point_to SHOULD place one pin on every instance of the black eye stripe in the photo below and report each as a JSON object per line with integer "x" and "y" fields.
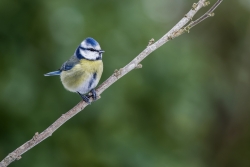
{"x": 90, "y": 49}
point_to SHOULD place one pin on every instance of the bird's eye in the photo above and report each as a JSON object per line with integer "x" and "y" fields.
{"x": 91, "y": 49}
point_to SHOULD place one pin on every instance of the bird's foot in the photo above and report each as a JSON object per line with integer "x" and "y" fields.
{"x": 84, "y": 98}
{"x": 93, "y": 94}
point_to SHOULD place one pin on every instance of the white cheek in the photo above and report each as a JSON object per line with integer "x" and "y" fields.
{"x": 83, "y": 52}
{"x": 88, "y": 54}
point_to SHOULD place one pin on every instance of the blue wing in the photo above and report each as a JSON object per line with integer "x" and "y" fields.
{"x": 68, "y": 65}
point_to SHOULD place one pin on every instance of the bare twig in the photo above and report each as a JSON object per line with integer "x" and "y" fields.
{"x": 134, "y": 64}
{"x": 209, "y": 13}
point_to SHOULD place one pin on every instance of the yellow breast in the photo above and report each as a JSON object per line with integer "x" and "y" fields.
{"x": 81, "y": 74}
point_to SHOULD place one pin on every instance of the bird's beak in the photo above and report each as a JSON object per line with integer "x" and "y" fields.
{"x": 101, "y": 51}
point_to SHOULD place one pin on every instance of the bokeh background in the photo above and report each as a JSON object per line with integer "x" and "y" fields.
{"x": 187, "y": 107}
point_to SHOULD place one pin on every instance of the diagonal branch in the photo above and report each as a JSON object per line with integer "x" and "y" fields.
{"x": 177, "y": 30}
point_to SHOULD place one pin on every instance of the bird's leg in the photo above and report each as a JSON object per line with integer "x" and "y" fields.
{"x": 84, "y": 98}
{"x": 93, "y": 92}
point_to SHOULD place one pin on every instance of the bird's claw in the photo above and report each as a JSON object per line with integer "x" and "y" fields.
{"x": 84, "y": 98}
{"x": 93, "y": 94}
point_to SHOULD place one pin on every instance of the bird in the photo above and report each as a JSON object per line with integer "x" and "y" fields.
{"x": 82, "y": 72}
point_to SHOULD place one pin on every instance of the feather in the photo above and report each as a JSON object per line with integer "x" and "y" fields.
{"x": 53, "y": 73}
{"x": 68, "y": 65}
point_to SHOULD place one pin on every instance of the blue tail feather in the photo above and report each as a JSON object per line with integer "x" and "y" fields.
{"x": 53, "y": 73}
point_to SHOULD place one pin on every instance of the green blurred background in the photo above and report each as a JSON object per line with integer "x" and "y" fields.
{"x": 187, "y": 107}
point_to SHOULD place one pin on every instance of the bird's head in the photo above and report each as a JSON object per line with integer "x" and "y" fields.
{"x": 89, "y": 49}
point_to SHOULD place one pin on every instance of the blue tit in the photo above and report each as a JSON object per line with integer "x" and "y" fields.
{"x": 82, "y": 72}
